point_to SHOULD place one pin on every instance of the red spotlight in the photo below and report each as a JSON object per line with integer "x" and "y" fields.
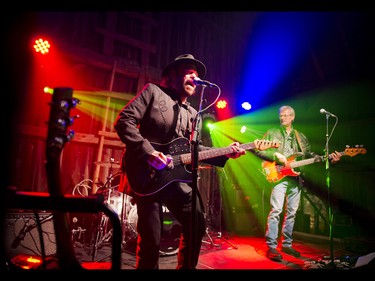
{"x": 221, "y": 104}
{"x": 42, "y": 46}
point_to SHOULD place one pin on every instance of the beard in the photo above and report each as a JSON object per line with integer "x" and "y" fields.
{"x": 187, "y": 90}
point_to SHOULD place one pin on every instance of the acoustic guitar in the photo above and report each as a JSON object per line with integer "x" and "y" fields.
{"x": 57, "y": 137}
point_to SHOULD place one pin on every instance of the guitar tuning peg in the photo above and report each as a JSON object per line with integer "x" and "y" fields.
{"x": 71, "y": 119}
{"x": 70, "y": 135}
{"x": 64, "y": 104}
{"x": 74, "y": 102}
{"x": 61, "y": 122}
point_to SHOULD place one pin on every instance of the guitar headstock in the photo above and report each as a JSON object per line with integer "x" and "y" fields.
{"x": 60, "y": 120}
{"x": 353, "y": 151}
{"x": 266, "y": 144}
{"x": 57, "y": 136}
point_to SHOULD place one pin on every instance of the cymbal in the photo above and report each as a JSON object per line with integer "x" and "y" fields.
{"x": 114, "y": 164}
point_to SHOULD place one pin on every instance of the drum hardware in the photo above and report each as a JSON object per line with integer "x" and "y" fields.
{"x": 125, "y": 207}
{"x": 111, "y": 164}
{"x": 120, "y": 202}
{"x": 103, "y": 234}
{"x": 78, "y": 233}
{"x": 103, "y": 229}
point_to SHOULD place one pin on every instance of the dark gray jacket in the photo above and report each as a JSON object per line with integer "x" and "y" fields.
{"x": 279, "y": 135}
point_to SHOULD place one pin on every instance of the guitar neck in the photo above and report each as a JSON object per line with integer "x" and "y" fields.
{"x": 215, "y": 152}
{"x": 309, "y": 161}
{"x": 305, "y": 162}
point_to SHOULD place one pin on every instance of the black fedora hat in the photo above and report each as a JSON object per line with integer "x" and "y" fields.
{"x": 189, "y": 59}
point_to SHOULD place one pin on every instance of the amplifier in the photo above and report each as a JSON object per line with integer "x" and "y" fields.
{"x": 246, "y": 222}
{"x": 22, "y": 235}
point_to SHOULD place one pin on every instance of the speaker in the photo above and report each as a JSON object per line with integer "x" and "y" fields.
{"x": 21, "y": 234}
{"x": 246, "y": 222}
{"x": 241, "y": 199}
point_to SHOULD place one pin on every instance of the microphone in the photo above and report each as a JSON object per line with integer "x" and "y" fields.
{"x": 323, "y": 111}
{"x": 198, "y": 81}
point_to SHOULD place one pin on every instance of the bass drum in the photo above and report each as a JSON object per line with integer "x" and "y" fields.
{"x": 171, "y": 231}
{"x": 120, "y": 202}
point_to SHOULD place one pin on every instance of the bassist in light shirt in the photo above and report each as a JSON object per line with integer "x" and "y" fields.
{"x": 286, "y": 188}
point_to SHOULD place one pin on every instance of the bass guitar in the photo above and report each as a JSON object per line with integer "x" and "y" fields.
{"x": 144, "y": 180}
{"x": 274, "y": 172}
{"x": 57, "y": 136}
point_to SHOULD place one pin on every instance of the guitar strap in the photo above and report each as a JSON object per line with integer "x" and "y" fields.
{"x": 300, "y": 179}
{"x": 299, "y": 140}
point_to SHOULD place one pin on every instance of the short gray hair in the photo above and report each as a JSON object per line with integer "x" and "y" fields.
{"x": 287, "y": 107}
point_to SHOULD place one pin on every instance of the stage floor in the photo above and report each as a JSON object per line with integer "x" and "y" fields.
{"x": 234, "y": 252}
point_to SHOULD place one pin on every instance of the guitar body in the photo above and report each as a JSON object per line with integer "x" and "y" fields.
{"x": 144, "y": 180}
{"x": 275, "y": 173}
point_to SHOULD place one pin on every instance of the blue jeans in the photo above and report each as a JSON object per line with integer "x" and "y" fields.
{"x": 288, "y": 191}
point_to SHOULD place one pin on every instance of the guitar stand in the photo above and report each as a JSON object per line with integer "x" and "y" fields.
{"x": 219, "y": 233}
{"x": 209, "y": 208}
{"x": 219, "y": 236}
{"x": 210, "y": 238}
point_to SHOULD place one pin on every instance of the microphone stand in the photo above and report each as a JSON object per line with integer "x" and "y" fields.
{"x": 194, "y": 141}
{"x": 328, "y": 181}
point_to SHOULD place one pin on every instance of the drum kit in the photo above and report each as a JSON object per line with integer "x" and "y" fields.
{"x": 126, "y": 208}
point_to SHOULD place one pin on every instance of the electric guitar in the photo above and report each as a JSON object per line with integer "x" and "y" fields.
{"x": 57, "y": 136}
{"x": 274, "y": 172}
{"x": 144, "y": 180}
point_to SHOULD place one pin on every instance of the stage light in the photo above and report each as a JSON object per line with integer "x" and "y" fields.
{"x": 208, "y": 122}
{"x": 210, "y": 126}
{"x": 246, "y": 105}
{"x": 33, "y": 262}
{"x": 48, "y": 90}
{"x": 42, "y": 46}
{"x": 221, "y": 104}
